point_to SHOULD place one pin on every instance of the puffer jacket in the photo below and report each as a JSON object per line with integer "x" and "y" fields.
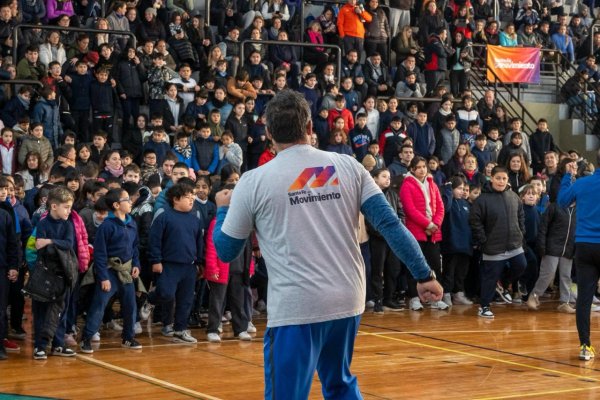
{"x": 556, "y": 232}
{"x": 47, "y": 112}
{"x": 378, "y": 30}
{"x": 214, "y": 266}
{"x": 129, "y": 78}
{"x": 497, "y": 221}
{"x": 413, "y": 202}
{"x": 394, "y": 201}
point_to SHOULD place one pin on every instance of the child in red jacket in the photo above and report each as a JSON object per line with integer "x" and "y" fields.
{"x": 227, "y": 281}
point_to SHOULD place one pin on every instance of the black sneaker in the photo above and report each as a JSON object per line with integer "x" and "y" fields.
{"x": 131, "y": 344}
{"x": 504, "y": 294}
{"x": 391, "y": 305}
{"x": 378, "y": 307}
{"x": 3, "y": 355}
{"x": 39, "y": 354}
{"x": 63, "y": 352}
{"x": 86, "y": 346}
{"x": 194, "y": 320}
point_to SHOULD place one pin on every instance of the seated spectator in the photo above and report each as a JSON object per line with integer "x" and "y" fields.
{"x": 527, "y": 15}
{"x": 577, "y": 31}
{"x": 257, "y": 23}
{"x": 409, "y": 87}
{"x": 182, "y": 49}
{"x": 576, "y": 94}
{"x": 200, "y": 36}
{"x": 405, "y": 45}
{"x": 275, "y": 8}
{"x": 55, "y": 9}
{"x": 30, "y": 67}
{"x": 283, "y": 55}
{"x": 329, "y": 26}
{"x": 590, "y": 65}
{"x": 326, "y": 77}
{"x": 224, "y": 14}
{"x": 564, "y": 44}
{"x": 150, "y": 28}
{"x": 508, "y": 37}
{"x": 52, "y": 50}
{"x": 231, "y": 49}
{"x": 377, "y": 76}
{"x": 262, "y": 49}
{"x": 315, "y": 55}
{"x": 482, "y": 10}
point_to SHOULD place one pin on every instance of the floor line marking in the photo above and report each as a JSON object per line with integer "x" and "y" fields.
{"x": 466, "y": 353}
{"x": 146, "y": 378}
{"x": 521, "y": 395}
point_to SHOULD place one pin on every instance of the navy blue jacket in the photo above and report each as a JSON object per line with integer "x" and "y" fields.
{"x": 12, "y": 111}
{"x": 80, "y": 92}
{"x": 61, "y": 232}
{"x": 532, "y": 223}
{"x": 360, "y": 139}
{"x": 103, "y": 97}
{"x": 9, "y": 247}
{"x": 188, "y": 230}
{"x": 312, "y": 97}
{"x": 115, "y": 238}
{"x": 483, "y": 157}
{"x": 456, "y": 230}
{"x": 321, "y": 128}
{"x": 207, "y": 154}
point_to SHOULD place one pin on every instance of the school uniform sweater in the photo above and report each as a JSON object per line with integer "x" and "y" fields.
{"x": 115, "y": 238}
{"x": 170, "y": 224}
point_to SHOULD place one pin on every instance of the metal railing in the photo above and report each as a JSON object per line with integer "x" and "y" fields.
{"x": 30, "y": 82}
{"x": 300, "y": 44}
{"x": 19, "y": 27}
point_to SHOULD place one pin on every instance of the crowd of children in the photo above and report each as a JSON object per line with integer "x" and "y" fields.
{"x": 132, "y": 201}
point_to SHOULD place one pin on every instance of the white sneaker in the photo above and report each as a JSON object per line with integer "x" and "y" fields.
{"x": 96, "y": 337}
{"x": 439, "y": 305}
{"x": 227, "y": 315}
{"x": 137, "y": 328}
{"x": 251, "y": 328}
{"x": 415, "y": 304}
{"x": 220, "y": 328}
{"x": 184, "y": 337}
{"x": 447, "y": 299}
{"x": 370, "y": 304}
{"x": 213, "y": 338}
{"x": 245, "y": 336}
{"x": 595, "y": 308}
{"x": 461, "y": 299}
{"x": 114, "y": 325}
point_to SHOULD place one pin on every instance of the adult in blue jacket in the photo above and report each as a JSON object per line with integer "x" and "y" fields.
{"x": 584, "y": 192}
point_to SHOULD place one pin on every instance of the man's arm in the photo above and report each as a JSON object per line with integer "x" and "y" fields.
{"x": 566, "y": 194}
{"x": 228, "y": 248}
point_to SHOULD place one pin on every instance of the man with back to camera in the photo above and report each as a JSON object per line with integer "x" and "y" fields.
{"x": 307, "y": 197}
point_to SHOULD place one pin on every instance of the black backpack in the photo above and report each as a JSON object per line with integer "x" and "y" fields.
{"x": 44, "y": 284}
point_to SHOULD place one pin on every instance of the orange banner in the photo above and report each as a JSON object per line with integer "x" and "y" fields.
{"x": 513, "y": 64}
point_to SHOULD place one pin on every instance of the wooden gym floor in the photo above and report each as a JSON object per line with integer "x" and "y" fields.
{"x": 405, "y": 355}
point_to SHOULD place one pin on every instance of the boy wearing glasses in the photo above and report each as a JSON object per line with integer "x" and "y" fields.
{"x": 175, "y": 261}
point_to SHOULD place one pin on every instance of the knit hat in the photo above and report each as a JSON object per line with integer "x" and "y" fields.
{"x": 92, "y": 56}
{"x": 369, "y": 161}
{"x": 151, "y": 10}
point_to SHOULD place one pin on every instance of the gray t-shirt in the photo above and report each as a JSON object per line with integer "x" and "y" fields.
{"x": 305, "y": 205}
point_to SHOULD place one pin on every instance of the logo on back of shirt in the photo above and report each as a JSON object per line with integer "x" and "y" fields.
{"x": 301, "y": 190}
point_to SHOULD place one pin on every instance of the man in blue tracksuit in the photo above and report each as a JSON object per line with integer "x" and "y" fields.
{"x": 176, "y": 244}
{"x": 584, "y": 192}
{"x": 310, "y": 196}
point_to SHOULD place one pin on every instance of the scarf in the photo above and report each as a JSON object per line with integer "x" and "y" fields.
{"x": 425, "y": 189}
{"x": 24, "y": 102}
{"x": 444, "y": 112}
{"x": 186, "y": 151}
{"x": 35, "y": 174}
{"x": 114, "y": 172}
{"x": 218, "y": 103}
{"x": 316, "y": 37}
{"x": 148, "y": 171}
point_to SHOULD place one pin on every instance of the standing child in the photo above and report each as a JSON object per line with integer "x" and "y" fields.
{"x": 226, "y": 281}
{"x": 556, "y": 246}
{"x": 373, "y": 150}
{"x": 160, "y": 147}
{"x": 229, "y": 152}
{"x": 99, "y": 146}
{"x": 116, "y": 263}
{"x": 360, "y": 137}
{"x": 540, "y": 142}
{"x": 38, "y": 143}
{"x": 385, "y": 266}
{"x": 176, "y": 261}
{"x": 207, "y": 151}
{"x": 184, "y": 151}
{"x": 104, "y": 100}
{"x": 49, "y": 318}
{"x": 8, "y": 156}
{"x": 457, "y": 249}
{"x": 530, "y": 198}
{"x": 338, "y": 141}
{"x": 481, "y": 151}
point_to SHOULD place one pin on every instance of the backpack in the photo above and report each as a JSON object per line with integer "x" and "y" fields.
{"x": 44, "y": 284}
